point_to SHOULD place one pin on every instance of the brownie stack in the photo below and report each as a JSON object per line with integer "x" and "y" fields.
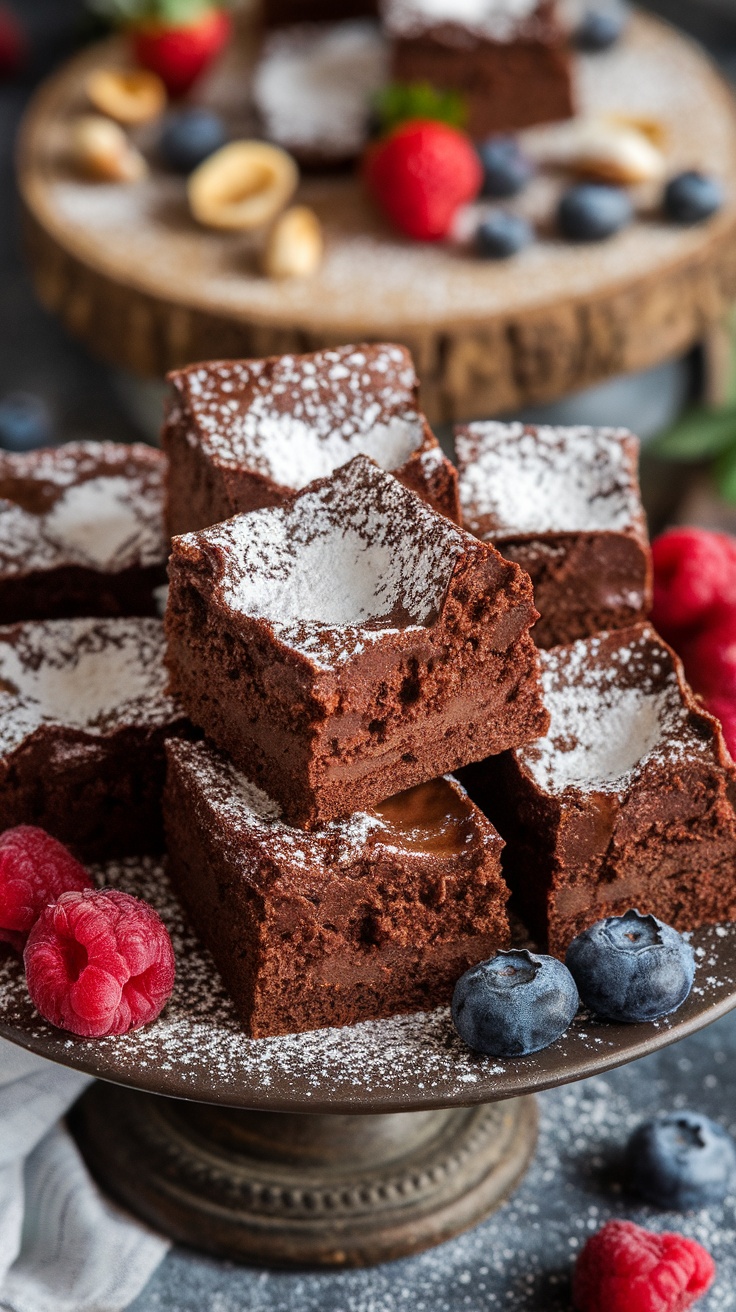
{"x": 84, "y": 710}
{"x": 339, "y": 646}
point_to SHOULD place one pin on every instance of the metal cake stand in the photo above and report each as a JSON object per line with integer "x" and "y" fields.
{"x": 333, "y": 1148}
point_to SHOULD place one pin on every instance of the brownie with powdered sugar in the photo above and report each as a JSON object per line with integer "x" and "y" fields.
{"x": 508, "y": 60}
{"x": 351, "y": 643}
{"x": 627, "y": 801}
{"x": 365, "y": 917}
{"x": 84, "y": 714}
{"x": 244, "y": 434}
{"x": 81, "y": 531}
{"x": 564, "y": 503}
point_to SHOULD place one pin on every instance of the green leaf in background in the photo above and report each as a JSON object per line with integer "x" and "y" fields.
{"x": 725, "y": 475}
{"x": 699, "y": 435}
{"x": 170, "y": 12}
{"x": 402, "y": 101}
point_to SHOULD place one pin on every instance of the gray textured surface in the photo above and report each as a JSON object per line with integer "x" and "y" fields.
{"x": 521, "y": 1257}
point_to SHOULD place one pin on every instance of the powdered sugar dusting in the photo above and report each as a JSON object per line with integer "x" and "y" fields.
{"x": 497, "y": 19}
{"x": 297, "y": 418}
{"x": 198, "y": 1048}
{"x": 94, "y": 504}
{"x": 314, "y": 83}
{"x": 517, "y": 479}
{"x": 94, "y": 675}
{"x": 341, "y": 565}
{"x": 612, "y": 711}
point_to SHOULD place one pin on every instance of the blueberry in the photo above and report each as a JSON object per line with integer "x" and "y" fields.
{"x": 631, "y": 967}
{"x": 681, "y": 1161}
{"x": 501, "y": 235}
{"x": 692, "y": 197}
{"x": 514, "y": 1004}
{"x": 189, "y": 137}
{"x": 601, "y": 28}
{"x": 506, "y": 170}
{"x": 25, "y": 422}
{"x": 592, "y": 211}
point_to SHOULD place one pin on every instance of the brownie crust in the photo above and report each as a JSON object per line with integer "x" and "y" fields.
{"x": 357, "y": 921}
{"x": 375, "y": 710}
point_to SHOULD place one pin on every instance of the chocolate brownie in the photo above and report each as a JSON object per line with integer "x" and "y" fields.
{"x": 243, "y": 434}
{"x": 565, "y": 504}
{"x": 351, "y": 643}
{"x": 314, "y": 85}
{"x": 627, "y": 802}
{"x": 84, "y": 714}
{"x": 81, "y": 531}
{"x": 369, "y": 916}
{"x": 508, "y": 59}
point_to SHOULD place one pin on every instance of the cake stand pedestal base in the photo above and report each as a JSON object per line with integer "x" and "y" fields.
{"x": 284, "y": 1189}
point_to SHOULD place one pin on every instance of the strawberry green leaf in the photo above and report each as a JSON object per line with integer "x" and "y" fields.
{"x": 401, "y": 102}
{"x": 172, "y": 13}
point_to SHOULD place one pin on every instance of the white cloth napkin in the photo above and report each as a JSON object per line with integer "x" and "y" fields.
{"x": 63, "y": 1247}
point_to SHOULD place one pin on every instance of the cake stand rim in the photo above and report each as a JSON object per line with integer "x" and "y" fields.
{"x": 530, "y": 1075}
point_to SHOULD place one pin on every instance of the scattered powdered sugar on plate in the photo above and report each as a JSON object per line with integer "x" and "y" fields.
{"x": 198, "y": 1049}
{"x": 517, "y": 479}
{"x": 98, "y": 505}
{"x": 314, "y": 82}
{"x": 345, "y": 563}
{"x": 613, "y": 708}
{"x": 90, "y": 674}
{"x": 297, "y": 418}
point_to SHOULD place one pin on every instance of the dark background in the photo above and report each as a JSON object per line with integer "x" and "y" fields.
{"x": 521, "y": 1257}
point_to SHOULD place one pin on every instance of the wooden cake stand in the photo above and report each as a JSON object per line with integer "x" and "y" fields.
{"x": 333, "y": 1148}
{"x": 132, "y": 275}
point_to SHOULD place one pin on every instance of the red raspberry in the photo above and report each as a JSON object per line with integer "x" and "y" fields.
{"x": 694, "y": 573}
{"x": 710, "y": 656}
{"x": 99, "y": 963}
{"x": 35, "y": 869}
{"x": 624, "y": 1268}
{"x": 421, "y": 174}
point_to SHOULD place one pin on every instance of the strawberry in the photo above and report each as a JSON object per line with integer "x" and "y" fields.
{"x": 180, "y": 54}
{"x": 420, "y": 175}
{"x": 177, "y": 39}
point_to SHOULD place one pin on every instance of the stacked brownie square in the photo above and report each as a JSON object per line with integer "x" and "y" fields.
{"x": 628, "y": 800}
{"x": 84, "y": 710}
{"x": 338, "y": 647}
